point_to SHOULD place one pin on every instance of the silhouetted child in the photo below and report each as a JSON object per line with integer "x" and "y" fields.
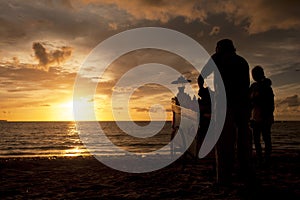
{"x": 262, "y": 108}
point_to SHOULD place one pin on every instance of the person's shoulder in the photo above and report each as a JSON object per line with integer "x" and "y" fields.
{"x": 214, "y": 56}
{"x": 241, "y": 58}
{"x": 242, "y": 62}
{"x": 253, "y": 85}
{"x": 268, "y": 82}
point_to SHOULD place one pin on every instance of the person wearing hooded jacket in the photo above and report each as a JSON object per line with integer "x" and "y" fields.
{"x": 262, "y": 108}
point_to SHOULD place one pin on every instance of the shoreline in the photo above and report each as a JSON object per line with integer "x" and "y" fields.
{"x": 87, "y": 178}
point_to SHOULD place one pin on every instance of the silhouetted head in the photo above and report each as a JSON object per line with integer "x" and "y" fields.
{"x": 225, "y": 45}
{"x": 200, "y": 81}
{"x": 258, "y": 73}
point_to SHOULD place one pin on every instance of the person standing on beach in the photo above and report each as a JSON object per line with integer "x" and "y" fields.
{"x": 205, "y": 111}
{"x": 262, "y": 108}
{"x": 234, "y": 71}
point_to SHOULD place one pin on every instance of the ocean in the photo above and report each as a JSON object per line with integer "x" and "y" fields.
{"x": 49, "y": 139}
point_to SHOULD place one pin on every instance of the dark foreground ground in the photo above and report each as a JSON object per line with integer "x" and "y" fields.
{"x": 87, "y": 178}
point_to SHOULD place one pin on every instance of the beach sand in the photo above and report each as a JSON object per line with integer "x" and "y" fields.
{"x": 87, "y": 178}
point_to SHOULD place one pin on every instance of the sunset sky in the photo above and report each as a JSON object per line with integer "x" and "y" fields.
{"x": 44, "y": 43}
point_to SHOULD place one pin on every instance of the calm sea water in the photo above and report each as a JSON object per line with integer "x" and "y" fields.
{"x": 45, "y": 139}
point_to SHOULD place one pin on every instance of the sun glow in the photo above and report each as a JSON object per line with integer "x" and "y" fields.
{"x": 64, "y": 111}
{"x": 89, "y": 110}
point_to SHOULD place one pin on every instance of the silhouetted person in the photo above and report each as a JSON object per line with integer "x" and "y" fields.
{"x": 205, "y": 111}
{"x": 183, "y": 98}
{"x": 262, "y": 108}
{"x": 234, "y": 71}
{"x": 183, "y": 102}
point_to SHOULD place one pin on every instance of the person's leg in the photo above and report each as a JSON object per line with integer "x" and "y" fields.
{"x": 202, "y": 131}
{"x": 266, "y": 133}
{"x": 225, "y": 151}
{"x": 244, "y": 149}
{"x": 256, "y": 136}
{"x": 244, "y": 145}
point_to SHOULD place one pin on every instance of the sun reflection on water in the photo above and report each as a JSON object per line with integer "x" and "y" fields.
{"x": 77, "y": 151}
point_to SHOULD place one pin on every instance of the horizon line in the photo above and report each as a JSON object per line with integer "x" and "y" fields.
{"x": 289, "y": 120}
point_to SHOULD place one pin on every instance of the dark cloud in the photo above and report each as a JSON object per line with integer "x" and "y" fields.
{"x": 10, "y": 31}
{"x": 153, "y": 109}
{"x": 47, "y": 58}
{"x": 292, "y": 101}
{"x": 40, "y": 53}
{"x": 84, "y": 25}
{"x": 260, "y": 15}
{"x": 161, "y": 10}
{"x": 45, "y": 105}
{"x": 62, "y": 3}
{"x": 139, "y": 109}
{"x": 255, "y": 15}
{"x": 288, "y": 108}
{"x": 23, "y": 22}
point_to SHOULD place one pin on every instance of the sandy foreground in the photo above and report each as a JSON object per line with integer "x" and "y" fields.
{"x": 87, "y": 178}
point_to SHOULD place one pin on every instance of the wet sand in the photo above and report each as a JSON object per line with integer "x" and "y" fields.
{"x": 87, "y": 178}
